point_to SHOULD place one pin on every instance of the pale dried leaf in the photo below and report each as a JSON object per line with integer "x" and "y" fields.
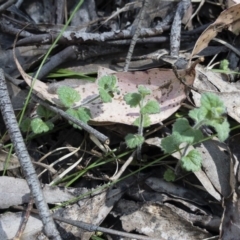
{"x": 10, "y": 223}
{"x": 90, "y": 210}
{"x": 160, "y": 221}
{"x": 231, "y": 3}
{"x": 166, "y": 89}
{"x": 229, "y": 93}
{"x": 15, "y": 191}
{"x": 230, "y": 224}
{"x": 160, "y": 185}
{"x": 12, "y": 163}
{"x": 201, "y": 175}
{"x": 216, "y": 164}
{"x": 227, "y": 19}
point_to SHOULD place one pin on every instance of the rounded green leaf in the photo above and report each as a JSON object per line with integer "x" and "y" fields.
{"x": 68, "y": 96}
{"x": 73, "y": 113}
{"x": 134, "y": 140}
{"x": 151, "y": 107}
{"x": 146, "y": 121}
{"x": 44, "y": 112}
{"x": 107, "y": 82}
{"x": 192, "y": 161}
{"x": 185, "y": 132}
{"x": 170, "y": 144}
{"x": 26, "y": 125}
{"x": 84, "y": 114}
{"x": 38, "y": 126}
{"x": 143, "y": 90}
{"x": 105, "y": 96}
{"x": 132, "y": 99}
{"x": 169, "y": 175}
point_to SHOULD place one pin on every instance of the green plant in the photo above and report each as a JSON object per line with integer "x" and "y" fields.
{"x": 169, "y": 175}
{"x": 68, "y": 98}
{"x": 211, "y": 113}
{"x": 224, "y": 68}
{"x": 39, "y": 124}
{"x": 107, "y": 86}
{"x": 146, "y": 107}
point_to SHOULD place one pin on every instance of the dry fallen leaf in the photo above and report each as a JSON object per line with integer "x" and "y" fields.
{"x": 201, "y": 175}
{"x": 210, "y": 81}
{"x": 15, "y": 191}
{"x": 166, "y": 89}
{"x": 156, "y": 220}
{"x": 228, "y": 19}
{"x": 10, "y": 223}
{"x": 11, "y": 164}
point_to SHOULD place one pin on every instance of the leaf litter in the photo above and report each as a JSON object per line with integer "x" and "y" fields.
{"x": 163, "y": 83}
{"x": 217, "y": 178}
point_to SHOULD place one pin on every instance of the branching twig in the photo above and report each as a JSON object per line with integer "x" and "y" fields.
{"x": 6, "y": 5}
{"x": 25, "y": 220}
{"x": 176, "y": 27}
{"x": 74, "y": 37}
{"x": 136, "y": 34}
{"x": 94, "y": 228}
{"x": 25, "y": 161}
{"x": 83, "y": 125}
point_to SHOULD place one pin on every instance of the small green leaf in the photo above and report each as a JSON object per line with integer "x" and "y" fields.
{"x": 44, "y": 112}
{"x": 185, "y": 132}
{"x": 224, "y": 65}
{"x": 107, "y": 82}
{"x": 212, "y": 113}
{"x": 222, "y": 129}
{"x": 132, "y": 99}
{"x": 169, "y": 175}
{"x": 50, "y": 125}
{"x": 198, "y": 114}
{"x": 213, "y": 104}
{"x": 151, "y": 107}
{"x": 105, "y": 95}
{"x": 107, "y": 85}
{"x": 143, "y": 90}
{"x": 212, "y": 107}
{"x": 68, "y": 96}
{"x": 38, "y": 126}
{"x": 84, "y": 114}
{"x": 134, "y": 140}
{"x": 146, "y": 121}
{"x": 170, "y": 144}
{"x": 192, "y": 161}
{"x": 26, "y": 125}
{"x": 73, "y": 113}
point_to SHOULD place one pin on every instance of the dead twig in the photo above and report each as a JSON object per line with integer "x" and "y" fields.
{"x": 104, "y": 139}
{"x": 25, "y": 161}
{"x": 176, "y": 27}
{"x": 25, "y": 220}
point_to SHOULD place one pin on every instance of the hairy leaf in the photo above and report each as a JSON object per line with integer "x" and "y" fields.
{"x": 68, "y": 96}
{"x": 38, "y": 126}
{"x": 132, "y": 99}
{"x": 192, "y": 161}
{"x": 134, "y": 140}
{"x": 151, "y": 107}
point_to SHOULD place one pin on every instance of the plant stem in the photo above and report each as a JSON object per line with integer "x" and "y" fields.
{"x": 140, "y": 130}
{"x": 198, "y": 125}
